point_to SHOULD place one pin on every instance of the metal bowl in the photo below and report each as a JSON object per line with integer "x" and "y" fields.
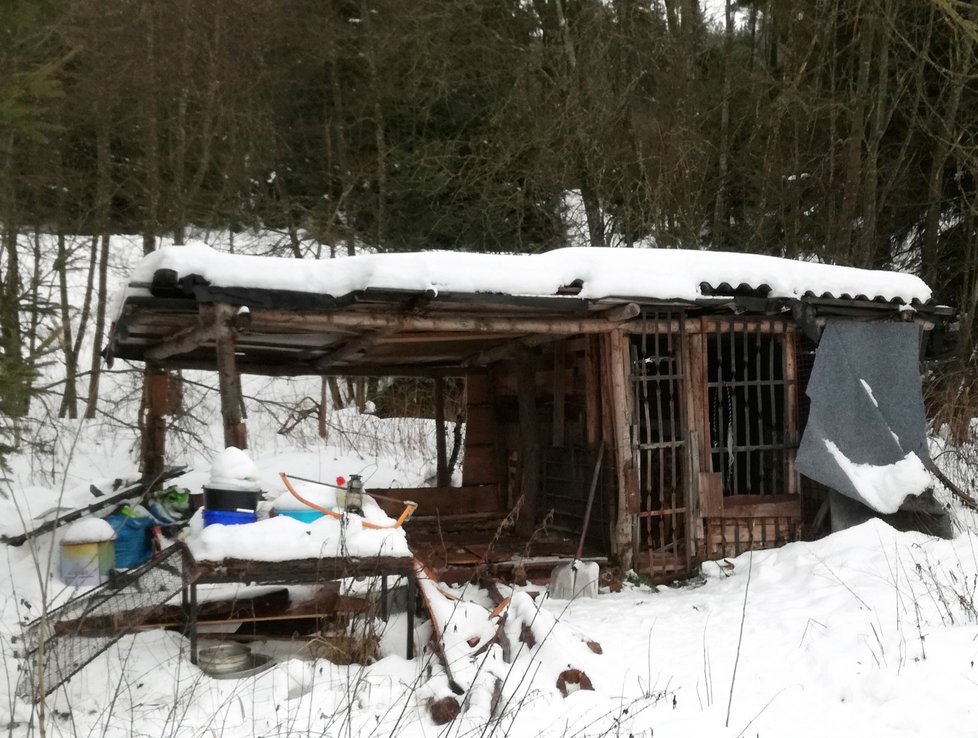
{"x": 225, "y": 658}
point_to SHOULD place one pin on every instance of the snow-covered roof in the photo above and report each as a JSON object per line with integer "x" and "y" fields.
{"x": 664, "y": 274}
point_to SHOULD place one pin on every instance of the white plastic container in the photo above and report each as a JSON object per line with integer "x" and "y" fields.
{"x": 87, "y": 553}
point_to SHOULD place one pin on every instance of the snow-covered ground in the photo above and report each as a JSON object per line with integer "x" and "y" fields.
{"x": 867, "y": 632}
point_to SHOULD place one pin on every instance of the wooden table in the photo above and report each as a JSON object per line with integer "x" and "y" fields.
{"x": 298, "y": 571}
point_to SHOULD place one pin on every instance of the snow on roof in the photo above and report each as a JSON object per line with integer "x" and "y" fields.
{"x": 678, "y": 274}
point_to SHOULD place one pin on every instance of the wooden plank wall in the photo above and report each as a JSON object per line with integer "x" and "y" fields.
{"x": 442, "y": 502}
{"x": 568, "y": 410}
{"x": 734, "y": 536}
{"x": 480, "y": 464}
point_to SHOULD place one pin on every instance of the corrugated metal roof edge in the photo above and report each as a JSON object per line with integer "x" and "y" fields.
{"x": 166, "y": 283}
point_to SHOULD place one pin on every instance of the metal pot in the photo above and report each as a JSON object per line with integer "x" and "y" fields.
{"x": 233, "y": 500}
{"x": 224, "y": 658}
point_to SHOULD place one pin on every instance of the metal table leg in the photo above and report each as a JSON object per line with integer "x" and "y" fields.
{"x": 193, "y": 623}
{"x": 412, "y": 604}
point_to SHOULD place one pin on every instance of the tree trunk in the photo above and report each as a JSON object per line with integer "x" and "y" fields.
{"x": 69, "y": 400}
{"x": 35, "y": 297}
{"x": 103, "y": 204}
{"x": 592, "y": 208}
{"x": 334, "y": 392}
{"x": 86, "y": 306}
{"x": 968, "y": 301}
{"x": 149, "y": 112}
{"x": 723, "y": 164}
{"x": 380, "y": 138}
{"x": 16, "y": 393}
{"x": 323, "y": 403}
{"x": 869, "y": 238}
{"x": 97, "y": 340}
{"x": 943, "y": 136}
{"x": 180, "y": 134}
{"x": 854, "y": 141}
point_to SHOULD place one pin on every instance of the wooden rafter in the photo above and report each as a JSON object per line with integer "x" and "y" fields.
{"x": 306, "y": 368}
{"x": 507, "y": 350}
{"x": 213, "y": 321}
{"x": 183, "y": 342}
{"x": 348, "y": 349}
{"x": 263, "y": 319}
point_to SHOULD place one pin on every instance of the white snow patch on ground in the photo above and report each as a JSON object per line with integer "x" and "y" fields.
{"x": 867, "y": 632}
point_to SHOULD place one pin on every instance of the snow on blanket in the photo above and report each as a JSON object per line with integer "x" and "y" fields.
{"x": 604, "y": 272}
{"x": 884, "y": 487}
{"x": 285, "y": 539}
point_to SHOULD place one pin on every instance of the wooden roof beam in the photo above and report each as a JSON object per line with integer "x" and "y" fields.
{"x": 507, "y": 350}
{"x": 348, "y": 349}
{"x": 604, "y": 322}
{"x": 303, "y": 369}
{"x": 209, "y": 325}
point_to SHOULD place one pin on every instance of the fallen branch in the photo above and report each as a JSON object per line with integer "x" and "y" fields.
{"x": 966, "y": 499}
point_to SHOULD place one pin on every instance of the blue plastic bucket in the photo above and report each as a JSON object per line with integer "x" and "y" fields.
{"x": 303, "y": 516}
{"x": 226, "y": 517}
{"x": 133, "y": 544}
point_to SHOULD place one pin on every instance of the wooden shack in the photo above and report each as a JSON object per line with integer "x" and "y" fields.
{"x": 689, "y": 367}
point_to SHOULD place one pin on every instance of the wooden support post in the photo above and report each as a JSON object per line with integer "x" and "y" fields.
{"x": 621, "y": 414}
{"x": 696, "y": 397}
{"x": 323, "y": 404}
{"x": 606, "y": 431}
{"x": 791, "y": 411}
{"x": 560, "y": 392}
{"x": 529, "y": 444}
{"x": 442, "y": 475}
{"x": 698, "y": 438}
{"x": 156, "y": 383}
{"x": 592, "y": 391}
{"x": 235, "y": 433}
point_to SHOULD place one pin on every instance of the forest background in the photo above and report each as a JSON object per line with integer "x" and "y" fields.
{"x": 834, "y": 130}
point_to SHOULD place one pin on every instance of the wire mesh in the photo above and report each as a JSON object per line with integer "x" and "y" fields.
{"x": 60, "y": 643}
